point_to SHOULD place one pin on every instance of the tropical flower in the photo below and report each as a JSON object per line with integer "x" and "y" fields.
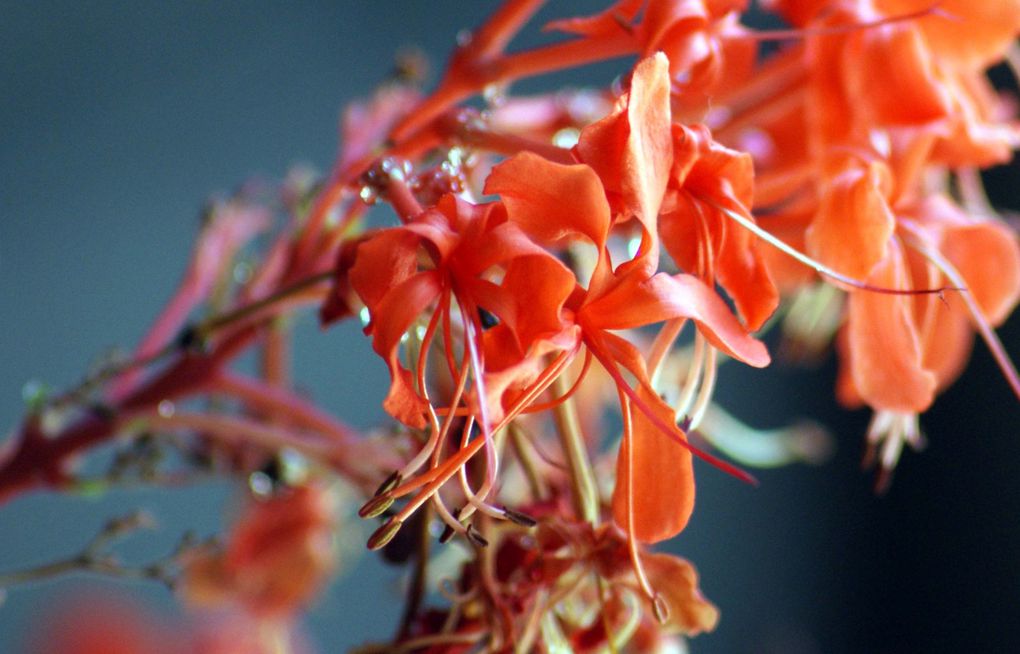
{"x": 655, "y": 488}
{"x": 277, "y": 558}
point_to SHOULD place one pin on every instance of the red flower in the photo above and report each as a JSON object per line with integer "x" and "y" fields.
{"x": 570, "y": 201}
{"x": 277, "y": 558}
{"x": 467, "y": 254}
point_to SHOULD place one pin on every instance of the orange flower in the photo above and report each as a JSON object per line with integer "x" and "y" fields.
{"x": 656, "y": 483}
{"x": 631, "y": 162}
{"x": 706, "y": 180}
{"x": 97, "y": 624}
{"x": 449, "y": 253}
{"x": 278, "y": 556}
{"x": 677, "y": 181}
{"x": 902, "y": 348}
{"x": 688, "y": 32}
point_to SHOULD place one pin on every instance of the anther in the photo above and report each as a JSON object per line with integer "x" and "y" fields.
{"x": 661, "y": 608}
{"x": 376, "y": 506}
{"x": 389, "y": 483}
{"x": 384, "y": 534}
{"x": 477, "y": 539}
{"x": 519, "y": 518}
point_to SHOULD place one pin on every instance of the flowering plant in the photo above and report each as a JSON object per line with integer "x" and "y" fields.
{"x": 528, "y": 293}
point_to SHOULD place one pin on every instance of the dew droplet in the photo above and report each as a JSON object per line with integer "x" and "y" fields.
{"x": 368, "y": 194}
{"x": 566, "y": 137}
{"x": 260, "y": 484}
{"x": 494, "y": 94}
{"x": 365, "y": 316}
{"x": 166, "y": 409}
{"x": 242, "y": 272}
{"x": 633, "y": 246}
{"x": 294, "y": 466}
{"x": 393, "y": 168}
{"x": 35, "y": 394}
{"x": 455, "y": 157}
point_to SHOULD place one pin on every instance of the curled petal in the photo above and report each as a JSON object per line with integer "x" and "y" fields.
{"x": 987, "y": 255}
{"x": 635, "y": 302}
{"x": 391, "y": 318}
{"x": 972, "y": 34}
{"x": 654, "y": 476}
{"x": 381, "y": 262}
{"x": 948, "y": 343}
{"x": 853, "y": 225}
{"x": 631, "y": 149}
{"x": 883, "y": 344}
{"x": 552, "y": 202}
{"x": 676, "y": 580}
{"x": 907, "y": 93}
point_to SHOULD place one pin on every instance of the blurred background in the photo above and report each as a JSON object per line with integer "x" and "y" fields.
{"x": 120, "y": 119}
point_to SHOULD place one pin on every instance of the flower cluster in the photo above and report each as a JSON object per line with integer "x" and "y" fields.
{"x": 529, "y": 296}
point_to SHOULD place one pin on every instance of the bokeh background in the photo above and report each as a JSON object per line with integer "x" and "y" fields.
{"x": 119, "y": 119}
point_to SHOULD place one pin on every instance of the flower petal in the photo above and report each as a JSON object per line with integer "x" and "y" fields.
{"x": 676, "y": 580}
{"x": 551, "y": 202}
{"x": 660, "y": 494}
{"x": 883, "y": 344}
{"x": 987, "y": 255}
{"x": 851, "y": 230}
{"x": 969, "y": 33}
{"x": 635, "y": 302}
{"x": 632, "y": 149}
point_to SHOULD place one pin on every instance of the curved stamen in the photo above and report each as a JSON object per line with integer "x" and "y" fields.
{"x": 672, "y": 431}
{"x": 694, "y": 376}
{"x": 551, "y": 404}
{"x": 632, "y": 541}
{"x": 707, "y": 389}
{"x": 661, "y": 346}
{"x": 439, "y": 434}
{"x": 821, "y": 268}
{"x": 981, "y": 323}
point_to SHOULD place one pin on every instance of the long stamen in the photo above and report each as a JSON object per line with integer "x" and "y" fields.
{"x": 440, "y": 434}
{"x": 672, "y": 431}
{"x": 449, "y": 518}
{"x": 991, "y": 339}
{"x": 632, "y": 541}
{"x": 661, "y": 346}
{"x": 972, "y": 192}
{"x": 694, "y": 376}
{"x": 448, "y": 468}
{"x": 476, "y": 499}
{"x": 545, "y": 406}
{"x": 707, "y": 389}
{"x": 819, "y": 267}
{"x": 835, "y": 30}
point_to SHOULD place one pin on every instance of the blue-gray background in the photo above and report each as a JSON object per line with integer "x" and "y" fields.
{"x": 119, "y": 119}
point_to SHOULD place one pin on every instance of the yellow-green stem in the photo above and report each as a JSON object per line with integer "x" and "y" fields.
{"x": 582, "y": 477}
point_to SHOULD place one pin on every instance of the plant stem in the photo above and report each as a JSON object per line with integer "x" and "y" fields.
{"x": 582, "y": 477}
{"x": 416, "y": 589}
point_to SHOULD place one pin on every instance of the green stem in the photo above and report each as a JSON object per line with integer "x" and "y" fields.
{"x": 582, "y": 476}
